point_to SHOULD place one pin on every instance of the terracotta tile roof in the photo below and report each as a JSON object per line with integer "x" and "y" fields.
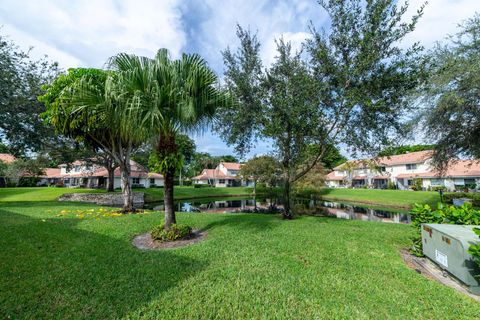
{"x": 332, "y": 177}
{"x": 137, "y": 171}
{"x": 412, "y": 157}
{"x": 52, "y": 173}
{"x": 211, "y": 174}
{"x": 359, "y": 177}
{"x": 379, "y": 177}
{"x": 232, "y": 165}
{"x": 459, "y": 168}
{"x": 7, "y": 158}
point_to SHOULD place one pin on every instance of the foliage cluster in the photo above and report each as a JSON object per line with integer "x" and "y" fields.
{"x": 21, "y": 80}
{"x": 448, "y": 197}
{"x": 396, "y": 150}
{"x": 463, "y": 215}
{"x": 263, "y": 169}
{"x": 474, "y": 249}
{"x": 174, "y": 232}
{"x": 417, "y": 184}
{"x": 452, "y": 94}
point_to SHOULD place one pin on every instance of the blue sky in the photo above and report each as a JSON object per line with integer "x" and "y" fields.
{"x": 85, "y": 33}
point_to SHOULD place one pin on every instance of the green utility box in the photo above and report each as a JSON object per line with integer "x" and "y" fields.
{"x": 447, "y": 245}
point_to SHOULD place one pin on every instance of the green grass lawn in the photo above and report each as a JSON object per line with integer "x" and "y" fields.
{"x": 250, "y": 266}
{"x": 394, "y": 198}
{"x": 156, "y": 194}
{"x": 151, "y": 195}
{"x": 38, "y": 193}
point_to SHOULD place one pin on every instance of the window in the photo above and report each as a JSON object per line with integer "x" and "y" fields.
{"x": 469, "y": 181}
{"x": 77, "y": 169}
{"x": 152, "y": 180}
{"x": 221, "y": 181}
{"x": 409, "y": 182}
{"x": 136, "y": 180}
{"x": 383, "y": 169}
{"x": 411, "y": 166}
{"x": 436, "y": 182}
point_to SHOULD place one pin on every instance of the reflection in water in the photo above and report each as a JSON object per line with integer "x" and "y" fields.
{"x": 301, "y": 206}
{"x": 346, "y": 211}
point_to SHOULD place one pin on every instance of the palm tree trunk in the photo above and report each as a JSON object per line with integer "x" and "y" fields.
{"x": 167, "y": 146}
{"x": 168, "y": 199}
{"x": 126, "y": 187}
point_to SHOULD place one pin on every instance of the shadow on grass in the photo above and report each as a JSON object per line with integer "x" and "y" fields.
{"x": 52, "y": 269}
{"x": 248, "y": 222}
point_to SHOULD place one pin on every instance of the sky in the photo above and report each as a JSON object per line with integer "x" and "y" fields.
{"x": 85, "y": 33}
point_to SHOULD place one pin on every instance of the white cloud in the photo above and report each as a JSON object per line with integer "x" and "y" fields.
{"x": 91, "y": 31}
{"x": 271, "y": 19}
{"x": 440, "y": 18}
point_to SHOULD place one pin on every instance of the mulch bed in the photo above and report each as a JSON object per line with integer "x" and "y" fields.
{"x": 145, "y": 241}
{"x": 431, "y": 271}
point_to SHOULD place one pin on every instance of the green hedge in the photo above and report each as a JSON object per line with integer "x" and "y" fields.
{"x": 200, "y": 185}
{"x": 448, "y": 197}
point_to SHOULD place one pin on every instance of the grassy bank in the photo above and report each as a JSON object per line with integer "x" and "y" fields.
{"x": 57, "y": 266}
{"x": 38, "y": 193}
{"x": 151, "y": 195}
{"x": 156, "y": 194}
{"x": 393, "y": 198}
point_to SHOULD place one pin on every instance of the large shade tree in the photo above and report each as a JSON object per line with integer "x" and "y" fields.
{"x": 353, "y": 89}
{"x": 452, "y": 96}
{"x": 21, "y": 80}
{"x": 164, "y": 98}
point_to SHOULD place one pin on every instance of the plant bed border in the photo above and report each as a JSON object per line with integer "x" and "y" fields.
{"x": 430, "y": 270}
{"x": 144, "y": 241}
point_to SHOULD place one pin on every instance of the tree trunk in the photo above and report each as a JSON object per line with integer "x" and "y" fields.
{"x": 126, "y": 187}
{"x": 111, "y": 179}
{"x": 287, "y": 213}
{"x": 168, "y": 199}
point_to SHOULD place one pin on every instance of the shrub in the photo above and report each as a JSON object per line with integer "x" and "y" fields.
{"x": 417, "y": 184}
{"x": 187, "y": 183}
{"x": 202, "y": 185}
{"x": 391, "y": 185}
{"x": 176, "y": 232}
{"x": 448, "y": 197}
{"x": 443, "y": 214}
{"x": 474, "y": 249}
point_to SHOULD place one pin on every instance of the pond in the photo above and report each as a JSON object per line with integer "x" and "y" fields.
{"x": 306, "y": 206}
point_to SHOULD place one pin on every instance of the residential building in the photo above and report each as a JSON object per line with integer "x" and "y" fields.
{"x": 226, "y": 174}
{"x": 402, "y": 170}
{"x": 83, "y": 174}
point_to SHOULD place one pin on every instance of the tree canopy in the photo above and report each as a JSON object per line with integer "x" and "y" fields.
{"x": 352, "y": 90}
{"x": 396, "y": 150}
{"x": 452, "y": 96}
{"x": 21, "y": 81}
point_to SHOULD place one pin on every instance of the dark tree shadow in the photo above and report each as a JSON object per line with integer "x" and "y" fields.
{"x": 250, "y": 222}
{"x": 52, "y": 269}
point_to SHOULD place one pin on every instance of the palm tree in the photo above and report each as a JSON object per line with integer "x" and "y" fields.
{"x": 166, "y": 97}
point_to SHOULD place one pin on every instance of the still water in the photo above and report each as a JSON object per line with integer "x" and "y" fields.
{"x": 304, "y": 206}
